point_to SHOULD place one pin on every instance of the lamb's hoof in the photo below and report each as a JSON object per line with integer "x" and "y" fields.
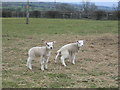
{"x": 30, "y": 68}
{"x": 73, "y": 63}
{"x": 55, "y": 62}
{"x": 46, "y": 68}
{"x": 27, "y": 65}
{"x": 42, "y": 69}
{"x": 64, "y": 65}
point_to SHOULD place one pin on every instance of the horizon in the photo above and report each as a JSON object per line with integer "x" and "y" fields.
{"x": 108, "y": 4}
{"x": 68, "y": 1}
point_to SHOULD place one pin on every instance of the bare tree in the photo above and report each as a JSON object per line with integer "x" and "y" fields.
{"x": 55, "y": 4}
{"x": 65, "y": 7}
{"x": 118, "y": 10}
{"x": 27, "y": 13}
{"x": 88, "y": 8}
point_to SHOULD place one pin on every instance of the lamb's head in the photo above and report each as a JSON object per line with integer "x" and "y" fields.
{"x": 80, "y": 43}
{"x": 50, "y": 45}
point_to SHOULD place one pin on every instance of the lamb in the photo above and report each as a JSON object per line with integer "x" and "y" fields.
{"x": 43, "y": 52}
{"x": 68, "y": 51}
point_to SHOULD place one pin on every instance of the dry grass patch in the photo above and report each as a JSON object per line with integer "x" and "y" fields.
{"x": 96, "y": 63}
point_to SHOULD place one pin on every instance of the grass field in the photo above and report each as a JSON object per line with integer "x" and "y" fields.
{"x": 96, "y": 63}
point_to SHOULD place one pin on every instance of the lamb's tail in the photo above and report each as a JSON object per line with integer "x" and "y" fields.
{"x": 58, "y": 56}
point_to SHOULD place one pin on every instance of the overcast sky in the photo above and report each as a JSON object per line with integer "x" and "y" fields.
{"x": 59, "y": 0}
{"x": 97, "y": 2}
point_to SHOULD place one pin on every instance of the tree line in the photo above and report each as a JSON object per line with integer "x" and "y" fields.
{"x": 87, "y": 10}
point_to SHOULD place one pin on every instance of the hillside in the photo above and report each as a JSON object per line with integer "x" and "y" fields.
{"x": 44, "y": 6}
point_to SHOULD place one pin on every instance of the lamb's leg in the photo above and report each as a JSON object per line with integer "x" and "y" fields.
{"x": 27, "y": 64}
{"x": 29, "y": 61}
{"x": 62, "y": 60}
{"x": 73, "y": 59}
{"x": 70, "y": 57}
{"x": 46, "y": 63}
{"x": 42, "y": 63}
{"x": 56, "y": 58}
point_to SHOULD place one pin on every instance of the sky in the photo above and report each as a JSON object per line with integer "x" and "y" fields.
{"x": 59, "y": 0}
{"x": 97, "y": 2}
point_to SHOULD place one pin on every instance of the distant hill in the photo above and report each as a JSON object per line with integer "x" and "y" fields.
{"x": 105, "y": 8}
{"x": 43, "y": 6}
{"x": 33, "y": 5}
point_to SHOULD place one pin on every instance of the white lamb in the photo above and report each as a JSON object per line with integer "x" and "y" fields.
{"x": 43, "y": 52}
{"x": 68, "y": 51}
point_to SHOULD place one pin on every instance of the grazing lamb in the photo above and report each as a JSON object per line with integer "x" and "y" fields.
{"x": 68, "y": 51}
{"x": 43, "y": 52}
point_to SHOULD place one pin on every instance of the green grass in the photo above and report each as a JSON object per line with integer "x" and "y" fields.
{"x": 17, "y": 27}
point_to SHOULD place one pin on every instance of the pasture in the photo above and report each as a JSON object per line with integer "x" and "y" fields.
{"x": 96, "y": 63}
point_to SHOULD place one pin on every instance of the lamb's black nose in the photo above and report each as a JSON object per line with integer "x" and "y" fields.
{"x": 50, "y": 47}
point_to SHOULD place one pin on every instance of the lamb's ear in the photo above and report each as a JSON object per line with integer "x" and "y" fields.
{"x": 77, "y": 41}
{"x": 42, "y": 40}
{"x": 54, "y": 41}
{"x": 45, "y": 42}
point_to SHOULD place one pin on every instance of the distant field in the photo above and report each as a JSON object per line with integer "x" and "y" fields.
{"x": 58, "y": 26}
{"x": 96, "y": 63}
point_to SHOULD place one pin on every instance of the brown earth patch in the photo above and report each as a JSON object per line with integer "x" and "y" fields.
{"x": 96, "y": 63}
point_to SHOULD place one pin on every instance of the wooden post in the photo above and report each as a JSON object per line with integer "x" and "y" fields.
{"x": 71, "y": 15}
{"x": 55, "y": 5}
{"x": 27, "y": 12}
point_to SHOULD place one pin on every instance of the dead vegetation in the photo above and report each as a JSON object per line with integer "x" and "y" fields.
{"x": 96, "y": 63}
